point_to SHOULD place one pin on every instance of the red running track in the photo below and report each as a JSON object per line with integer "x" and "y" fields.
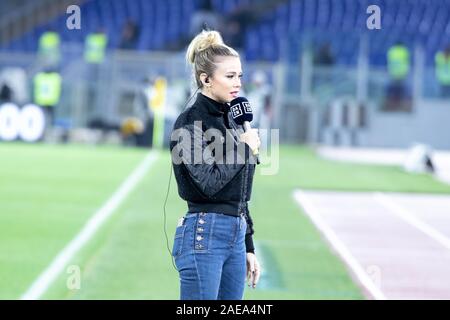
{"x": 396, "y": 246}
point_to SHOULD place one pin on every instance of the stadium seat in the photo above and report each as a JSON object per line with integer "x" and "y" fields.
{"x": 164, "y": 22}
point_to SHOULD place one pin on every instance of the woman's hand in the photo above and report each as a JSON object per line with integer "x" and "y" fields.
{"x": 253, "y": 270}
{"x": 251, "y": 138}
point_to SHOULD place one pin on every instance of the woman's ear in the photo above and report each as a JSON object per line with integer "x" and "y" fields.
{"x": 204, "y": 78}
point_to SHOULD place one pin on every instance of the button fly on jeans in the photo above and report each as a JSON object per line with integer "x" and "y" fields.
{"x": 202, "y": 232}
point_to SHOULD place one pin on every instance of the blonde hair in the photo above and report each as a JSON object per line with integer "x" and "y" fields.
{"x": 203, "y": 50}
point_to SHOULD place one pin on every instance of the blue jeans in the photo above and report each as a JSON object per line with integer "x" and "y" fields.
{"x": 209, "y": 253}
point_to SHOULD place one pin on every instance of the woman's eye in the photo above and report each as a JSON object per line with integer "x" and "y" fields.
{"x": 230, "y": 77}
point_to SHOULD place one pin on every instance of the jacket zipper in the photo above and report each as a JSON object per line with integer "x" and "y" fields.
{"x": 244, "y": 184}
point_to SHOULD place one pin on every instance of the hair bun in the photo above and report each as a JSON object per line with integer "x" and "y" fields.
{"x": 201, "y": 42}
{"x": 209, "y": 39}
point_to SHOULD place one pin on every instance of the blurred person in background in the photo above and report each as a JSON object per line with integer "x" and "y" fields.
{"x": 95, "y": 47}
{"x": 236, "y": 24}
{"x": 398, "y": 65}
{"x": 142, "y": 106}
{"x": 242, "y": 17}
{"x": 14, "y": 85}
{"x": 5, "y": 93}
{"x": 94, "y": 55}
{"x": 205, "y": 15}
{"x": 130, "y": 129}
{"x": 398, "y": 61}
{"x": 323, "y": 60}
{"x": 442, "y": 67}
{"x": 259, "y": 96}
{"x": 324, "y": 55}
{"x": 130, "y": 35}
{"x": 213, "y": 244}
{"x": 49, "y": 51}
{"x": 47, "y": 87}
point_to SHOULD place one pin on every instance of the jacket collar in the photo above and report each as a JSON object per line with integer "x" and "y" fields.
{"x": 212, "y": 106}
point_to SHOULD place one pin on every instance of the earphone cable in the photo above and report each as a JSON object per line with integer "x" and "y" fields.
{"x": 167, "y": 194}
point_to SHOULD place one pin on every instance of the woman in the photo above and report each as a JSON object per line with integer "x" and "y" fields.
{"x": 213, "y": 246}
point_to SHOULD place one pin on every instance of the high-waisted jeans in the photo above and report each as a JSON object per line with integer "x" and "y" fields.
{"x": 209, "y": 253}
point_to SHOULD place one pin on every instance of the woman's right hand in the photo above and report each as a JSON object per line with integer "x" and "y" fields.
{"x": 253, "y": 270}
{"x": 251, "y": 138}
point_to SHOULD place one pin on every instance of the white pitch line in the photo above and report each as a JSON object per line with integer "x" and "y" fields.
{"x": 41, "y": 284}
{"x": 338, "y": 245}
{"x": 415, "y": 222}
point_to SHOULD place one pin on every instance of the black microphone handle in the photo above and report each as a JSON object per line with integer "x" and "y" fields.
{"x": 247, "y": 127}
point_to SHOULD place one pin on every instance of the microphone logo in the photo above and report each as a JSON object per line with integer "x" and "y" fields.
{"x": 247, "y": 108}
{"x": 235, "y": 111}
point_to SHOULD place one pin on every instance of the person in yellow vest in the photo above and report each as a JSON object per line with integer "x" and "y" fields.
{"x": 398, "y": 66}
{"x": 442, "y": 67}
{"x": 95, "y": 47}
{"x": 47, "y": 92}
{"x": 94, "y": 55}
{"x": 49, "y": 47}
{"x": 398, "y": 61}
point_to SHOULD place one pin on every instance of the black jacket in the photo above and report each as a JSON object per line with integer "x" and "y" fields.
{"x": 206, "y": 178}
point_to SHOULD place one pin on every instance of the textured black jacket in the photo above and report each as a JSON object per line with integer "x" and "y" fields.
{"x": 213, "y": 183}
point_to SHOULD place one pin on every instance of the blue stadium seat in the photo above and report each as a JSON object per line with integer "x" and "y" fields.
{"x": 163, "y": 22}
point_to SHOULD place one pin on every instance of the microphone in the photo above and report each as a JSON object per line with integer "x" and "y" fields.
{"x": 242, "y": 114}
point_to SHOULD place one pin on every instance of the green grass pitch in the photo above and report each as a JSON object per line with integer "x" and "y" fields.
{"x": 47, "y": 193}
